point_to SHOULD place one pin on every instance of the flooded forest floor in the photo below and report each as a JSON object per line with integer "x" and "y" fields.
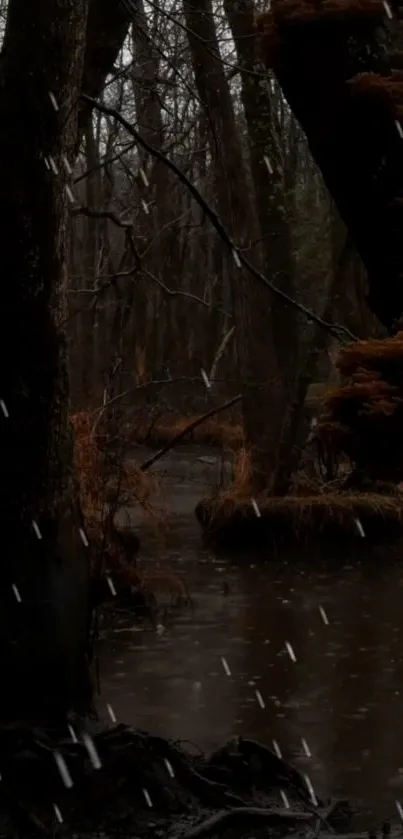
{"x": 199, "y": 677}
{"x": 293, "y": 663}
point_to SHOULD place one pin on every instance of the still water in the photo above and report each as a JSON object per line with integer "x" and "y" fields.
{"x": 343, "y": 694}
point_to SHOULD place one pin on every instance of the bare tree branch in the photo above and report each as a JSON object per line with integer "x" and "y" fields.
{"x": 109, "y": 214}
{"x": 334, "y": 329}
{"x": 192, "y": 425}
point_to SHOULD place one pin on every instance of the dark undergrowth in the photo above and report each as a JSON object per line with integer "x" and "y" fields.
{"x": 123, "y": 782}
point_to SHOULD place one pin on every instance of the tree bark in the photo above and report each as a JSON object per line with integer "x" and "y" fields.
{"x": 43, "y": 637}
{"x": 262, "y": 385}
{"x": 107, "y": 26}
{"x": 267, "y": 168}
{"x": 336, "y": 72}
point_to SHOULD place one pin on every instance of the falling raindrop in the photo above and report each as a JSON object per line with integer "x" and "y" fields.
{"x": 285, "y": 799}
{"x": 324, "y": 616}
{"x": 290, "y": 651}
{"x": 53, "y": 165}
{"x": 311, "y": 790}
{"x": 224, "y": 663}
{"x": 144, "y": 177}
{"x": 58, "y": 814}
{"x": 66, "y": 165}
{"x": 72, "y": 733}
{"x": 70, "y": 195}
{"x": 16, "y": 593}
{"x": 256, "y": 508}
{"x": 268, "y": 165}
{"x": 360, "y": 528}
{"x": 53, "y": 100}
{"x": 37, "y": 532}
{"x": 111, "y": 713}
{"x": 205, "y": 378}
{"x": 169, "y": 768}
{"x": 83, "y": 537}
{"x": 63, "y": 769}
{"x": 147, "y": 797}
{"x": 236, "y": 258}
{"x": 111, "y": 585}
{"x": 260, "y": 699}
{"x": 92, "y": 752}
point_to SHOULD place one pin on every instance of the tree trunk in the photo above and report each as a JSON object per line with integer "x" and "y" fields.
{"x": 107, "y": 27}
{"x": 267, "y": 168}
{"x": 262, "y": 384}
{"x": 338, "y": 78}
{"x": 43, "y": 637}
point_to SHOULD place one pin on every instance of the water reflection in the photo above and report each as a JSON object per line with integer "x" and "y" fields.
{"x": 343, "y": 694}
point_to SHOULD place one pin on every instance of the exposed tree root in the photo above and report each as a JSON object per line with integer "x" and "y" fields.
{"x": 146, "y": 787}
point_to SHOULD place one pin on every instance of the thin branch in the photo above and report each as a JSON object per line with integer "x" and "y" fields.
{"x": 161, "y": 383}
{"x": 335, "y": 329}
{"x": 109, "y": 214}
{"x": 173, "y": 292}
{"x": 192, "y": 425}
{"x": 105, "y": 162}
{"x": 220, "y": 352}
{"x": 129, "y": 6}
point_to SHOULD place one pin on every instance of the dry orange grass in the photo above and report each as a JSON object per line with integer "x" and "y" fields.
{"x": 98, "y": 499}
{"x": 211, "y": 432}
{"x": 106, "y": 485}
{"x": 304, "y": 518}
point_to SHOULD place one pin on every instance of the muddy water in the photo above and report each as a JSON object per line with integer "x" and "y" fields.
{"x": 344, "y": 692}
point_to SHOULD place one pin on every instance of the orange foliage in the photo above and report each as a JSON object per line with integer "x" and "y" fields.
{"x": 385, "y": 89}
{"x": 107, "y": 484}
{"x": 364, "y": 417}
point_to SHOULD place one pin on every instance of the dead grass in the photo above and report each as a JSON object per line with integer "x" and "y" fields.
{"x": 107, "y": 483}
{"x": 108, "y": 479}
{"x": 330, "y": 515}
{"x": 213, "y": 431}
{"x": 313, "y": 510}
